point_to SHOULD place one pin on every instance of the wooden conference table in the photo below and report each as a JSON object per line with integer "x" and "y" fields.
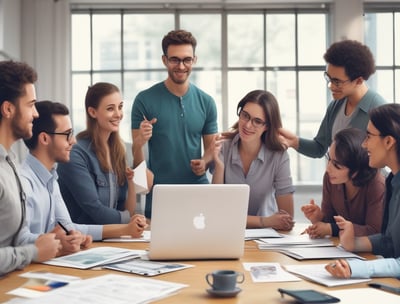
{"x": 195, "y": 277}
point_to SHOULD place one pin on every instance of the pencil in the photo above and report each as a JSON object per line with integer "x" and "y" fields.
{"x": 63, "y": 227}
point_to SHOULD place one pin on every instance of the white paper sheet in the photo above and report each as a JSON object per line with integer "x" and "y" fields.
{"x": 140, "y": 178}
{"x": 106, "y": 289}
{"x": 317, "y": 273}
{"x": 277, "y": 275}
{"x": 95, "y": 257}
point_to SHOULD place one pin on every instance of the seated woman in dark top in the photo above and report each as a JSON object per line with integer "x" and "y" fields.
{"x": 351, "y": 189}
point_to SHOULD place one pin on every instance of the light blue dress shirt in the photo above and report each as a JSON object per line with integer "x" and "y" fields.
{"x": 45, "y": 205}
{"x": 376, "y": 268}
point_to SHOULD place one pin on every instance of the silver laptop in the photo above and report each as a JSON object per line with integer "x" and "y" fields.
{"x": 191, "y": 222}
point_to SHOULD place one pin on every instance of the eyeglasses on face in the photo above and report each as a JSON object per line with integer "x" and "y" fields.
{"x": 187, "y": 61}
{"x": 334, "y": 162}
{"x": 256, "y": 122}
{"x": 68, "y": 134}
{"x": 370, "y": 135}
{"x": 337, "y": 82}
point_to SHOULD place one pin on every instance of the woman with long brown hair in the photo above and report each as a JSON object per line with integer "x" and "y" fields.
{"x": 96, "y": 183}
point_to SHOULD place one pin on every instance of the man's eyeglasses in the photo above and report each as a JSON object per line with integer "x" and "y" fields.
{"x": 187, "y": 61}
{"x": 337, "y": 82}
{"x": 68, "y": 134}
{"x": 256, "y": 122}
{"x": 334, "y": 162}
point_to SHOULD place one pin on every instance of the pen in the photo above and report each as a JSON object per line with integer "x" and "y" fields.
{"x": 385, "y": 287}
{"x": 63, "y": 227}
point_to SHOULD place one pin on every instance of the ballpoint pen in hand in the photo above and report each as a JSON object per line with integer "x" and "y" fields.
{"x": 63, "y": 227}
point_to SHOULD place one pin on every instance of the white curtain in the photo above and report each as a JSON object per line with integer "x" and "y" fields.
{"x": 45, "y": 45}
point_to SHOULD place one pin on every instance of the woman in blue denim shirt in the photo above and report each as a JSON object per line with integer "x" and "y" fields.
{"x": 96, "y": 183}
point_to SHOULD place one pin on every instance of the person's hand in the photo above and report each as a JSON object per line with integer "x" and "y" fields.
{"x": 281, "y": 221}
{"x": 288, "y": 139}
{"x": 48, "y": 247}
{"x": 339, "y": 269}
{"x": 217, "y": 145}
{"x": 129, "y": 173}
{"x": 136, "y": 225}
{"x": 71, "y": 243}
{"x": 146, "y": 129}
{"x": 87, "y": 240}
{"x": 346, "y": 232}
{"x": 312, "y": 212}
{"x": 319, "y": 230}
{"x": 198, "y": 166}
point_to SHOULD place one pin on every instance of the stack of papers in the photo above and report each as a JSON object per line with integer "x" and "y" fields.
{"x": 146, "y": 267}
{"x": 106, "y": 289}
{"x": 292, "y": 241}
{"x": 93, "y": 257}
{"x": 316, "y": 253}
{"x": 317, "y": 273}
{"x": 253, "y": 234}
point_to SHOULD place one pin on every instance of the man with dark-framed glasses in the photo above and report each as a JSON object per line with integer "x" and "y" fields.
{"x": 349, "y": 66}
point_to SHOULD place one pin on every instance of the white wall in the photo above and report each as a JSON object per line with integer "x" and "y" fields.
{"x": 10, "y": 29}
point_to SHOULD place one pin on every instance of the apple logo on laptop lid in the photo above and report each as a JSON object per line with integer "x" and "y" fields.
{"x": 199, "y": 221}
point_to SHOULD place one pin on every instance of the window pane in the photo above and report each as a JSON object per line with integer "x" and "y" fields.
{"x": 210, "y": 82}
{"x": 134, "y": 82}
{"x": 379, "y": 37}
{"x": 208, "y": 48}
{"x": 248, "y": 81}
{"x": 312, "y": 97}
{"x": 143, "y": 34}
{"x": 312, "y": 108}
{"x": 245, "y": 50}
{"x": 80, "y": 83}
{"x": 281, "y": 43}
{"x": 106, "y": 42}
{"x": 312, "y": 39}
{"x": 80, "y": 42}
{"x": 283, "y": 85}
{"x": 397, "y": 37}
{"x": 114, "y": 78}
{"x": 382, "y": 81}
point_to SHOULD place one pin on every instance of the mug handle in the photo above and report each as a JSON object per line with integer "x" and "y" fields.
{"x": 240, "y": 277}
{"x": 208, "y": 275}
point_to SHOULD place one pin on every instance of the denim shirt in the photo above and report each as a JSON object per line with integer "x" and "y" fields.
{"x": 86, "y": 189}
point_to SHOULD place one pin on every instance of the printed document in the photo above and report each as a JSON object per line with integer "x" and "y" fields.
{"x": 146, "y": 267}
{"x": 106, "y": 289}
{"x": 317, "y": 273}
{"x": 95, "y": 257}
{"x": 316, "y": 253}
{"x": 269, "y": 272}
{"x": 252, "y": 234}
{"x": 292, "y": 241}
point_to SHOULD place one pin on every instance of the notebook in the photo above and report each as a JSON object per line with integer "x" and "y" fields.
{"x": 191, "y": 222}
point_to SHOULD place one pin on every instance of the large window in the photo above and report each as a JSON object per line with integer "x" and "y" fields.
{"x": 382, "y": 35}
{"x": 238, "y": 51}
